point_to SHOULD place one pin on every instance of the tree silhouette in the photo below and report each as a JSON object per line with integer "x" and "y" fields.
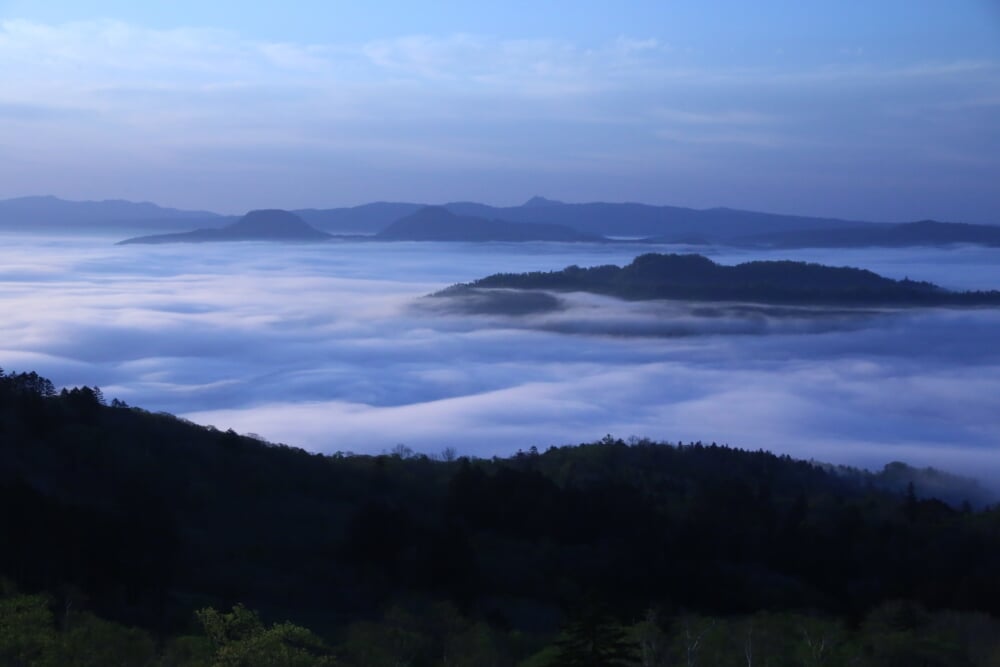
{"x": 242, "y": 640}
{"x": 594, "y": 639}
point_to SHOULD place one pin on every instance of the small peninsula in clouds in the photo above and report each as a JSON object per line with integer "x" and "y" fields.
{"x": 697, "y": 278}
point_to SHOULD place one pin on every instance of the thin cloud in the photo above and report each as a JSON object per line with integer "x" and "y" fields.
{"x": 138, "y": 110}
{"x": 106, "y": 54}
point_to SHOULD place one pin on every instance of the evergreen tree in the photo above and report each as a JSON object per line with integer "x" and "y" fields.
{"x": 594, "y": 639}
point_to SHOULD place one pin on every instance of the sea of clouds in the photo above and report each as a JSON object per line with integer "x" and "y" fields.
{"x": 333, "y": 347}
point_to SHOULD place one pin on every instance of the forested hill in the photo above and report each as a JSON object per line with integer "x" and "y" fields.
{"x": 695, "y": 277}
{"x": 144, "y": 518}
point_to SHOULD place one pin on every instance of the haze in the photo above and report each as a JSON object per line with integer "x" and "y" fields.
{"x": 855, "y": 110}
{"x": 845, "y": 109}
{"x": 328, "y": 347}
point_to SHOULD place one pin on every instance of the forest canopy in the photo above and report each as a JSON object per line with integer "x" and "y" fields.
{"x": 140, "y": 520}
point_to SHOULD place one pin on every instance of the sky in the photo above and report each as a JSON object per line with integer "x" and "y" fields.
{"x": 883, "y": 111}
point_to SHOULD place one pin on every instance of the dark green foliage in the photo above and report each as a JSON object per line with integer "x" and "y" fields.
{"x": 694, "y": 277}
{"x": 27, "y": 635}
{"x": 429, "y": 633}
{"x": 594, "y": 639}
{"x": 144, "y": 518}
{"x": 240, "y": 639}
{"x": 32, "y": 635}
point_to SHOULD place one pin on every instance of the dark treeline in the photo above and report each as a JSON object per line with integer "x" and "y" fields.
{"x": 695, "y": 277}
{"x": 143, "y": 519}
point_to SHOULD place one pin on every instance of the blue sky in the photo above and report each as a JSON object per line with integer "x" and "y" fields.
{"x": 884, "y": 111}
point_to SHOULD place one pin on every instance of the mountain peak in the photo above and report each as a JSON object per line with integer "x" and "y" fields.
{"x": 274, "y": 223}
{"x": 541, "y": 201}
{"x": 436, "y": 223}
{"x": 260, "y": 225}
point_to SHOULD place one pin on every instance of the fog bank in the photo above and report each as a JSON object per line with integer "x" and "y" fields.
{"x": 327, "y": 347}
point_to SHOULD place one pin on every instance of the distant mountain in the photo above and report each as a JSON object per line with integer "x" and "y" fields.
{"x": 643, "y": 220}
{"x": 923, "y": 233}
{"x": 364, "y": 219}
{"x": 697, "y": 278}
{"x": 595, "y": 219}
{"x": 654, "y": 224}
{"x": 670, "y": 224}
{"x": 51, "y": 213}
{"x": 263, "y": 225}
{"x": 537, "y": 201}
{"x": 436, "y": 223}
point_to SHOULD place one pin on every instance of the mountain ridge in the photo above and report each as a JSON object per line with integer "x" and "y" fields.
{"x": 437, "y": 223}
{"x": 44, "y": 212}
{"x": 643, "y": 222}
{"x": 920, "y": 233}
{"x": 258, "y": 225}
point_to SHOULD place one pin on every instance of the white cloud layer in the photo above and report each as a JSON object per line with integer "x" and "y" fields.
{"x": 323, "y": 347}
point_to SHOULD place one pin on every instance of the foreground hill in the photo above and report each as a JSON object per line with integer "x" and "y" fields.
{"x": 695, "y": 277}
{"x": 263, "y": 225}
{"x": 435, "y": 223}
{"x": 147, "y": 517}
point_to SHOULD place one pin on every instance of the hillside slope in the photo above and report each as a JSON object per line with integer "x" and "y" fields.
{"x": 151, "y": 517}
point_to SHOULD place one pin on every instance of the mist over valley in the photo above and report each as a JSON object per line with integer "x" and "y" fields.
{"x": 451, "y": 334}
{"x": 334, "y": 347}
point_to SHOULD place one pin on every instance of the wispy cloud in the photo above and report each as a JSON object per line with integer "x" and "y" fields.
{"x": 141, "y": 108}
{"x": 100, "y": 55}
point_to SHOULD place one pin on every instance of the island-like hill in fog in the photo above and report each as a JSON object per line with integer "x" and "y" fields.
{"x": 262, "y": 225}
{"x": 363, "y": 219}
{"x": 695, "y": 277}
{"x": 436, "y": 223}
